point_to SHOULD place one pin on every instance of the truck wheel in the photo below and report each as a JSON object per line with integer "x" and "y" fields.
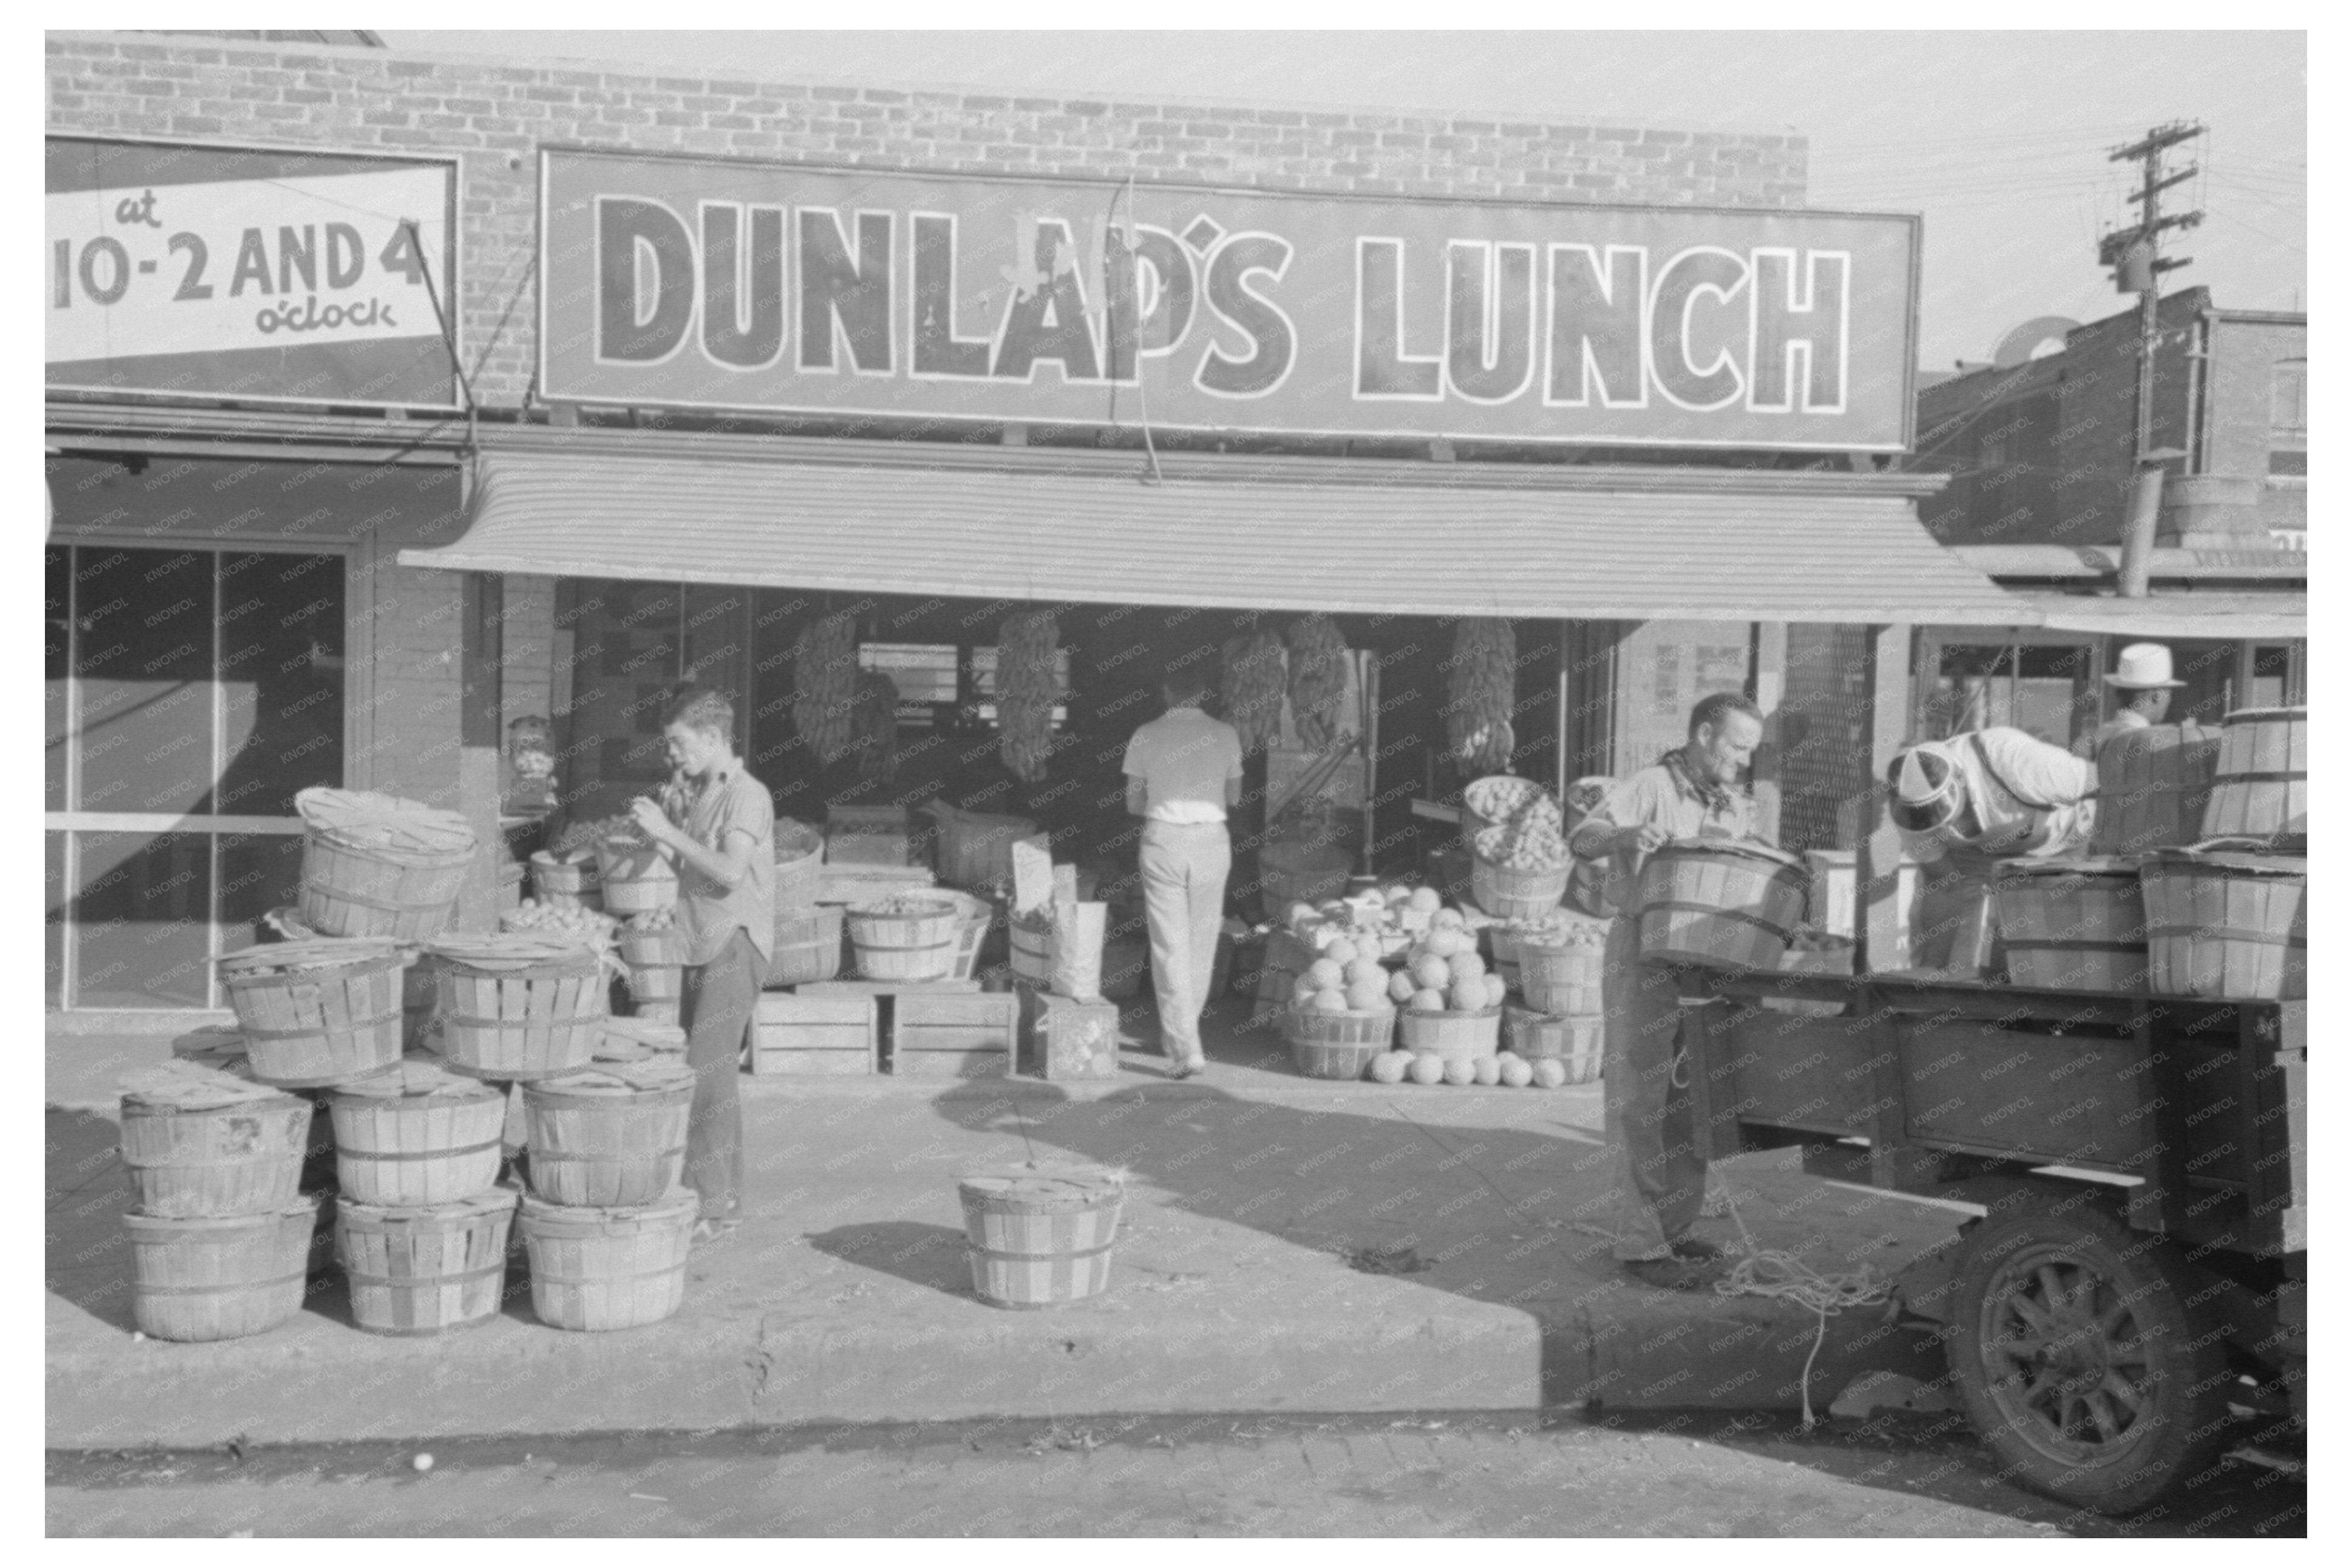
{"x": 2079, "y": 1361}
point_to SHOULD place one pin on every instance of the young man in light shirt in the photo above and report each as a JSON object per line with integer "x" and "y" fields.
{"x": 1183, "y": 775}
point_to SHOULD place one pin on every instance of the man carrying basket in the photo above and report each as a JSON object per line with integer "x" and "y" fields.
{"x": 1657, "y": 1161}
{"x": 715, "y": 823}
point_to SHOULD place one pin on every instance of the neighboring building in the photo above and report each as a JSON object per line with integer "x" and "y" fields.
{"x": 289, "y": 546}
{"x": 2041, "y": 453}
{"x": 2041, "y": 457}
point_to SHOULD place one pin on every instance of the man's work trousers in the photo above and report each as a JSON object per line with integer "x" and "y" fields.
{"x": 716, "y": 1010}
{"x": 1657, "y": 1171}
{"x": 1184, "y": 868}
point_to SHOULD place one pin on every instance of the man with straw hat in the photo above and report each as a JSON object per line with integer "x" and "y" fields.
{"x": 2144, "y": 686}
{"x": 1964, "y": 805}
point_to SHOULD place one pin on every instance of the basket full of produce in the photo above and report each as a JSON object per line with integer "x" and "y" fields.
{"x": 1341, "y": 1013}
{"x": 907, "y": 936}
{"x": 1520, "y": 862}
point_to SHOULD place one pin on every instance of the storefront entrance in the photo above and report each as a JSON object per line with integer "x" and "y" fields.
{"x": 190, "y": 694}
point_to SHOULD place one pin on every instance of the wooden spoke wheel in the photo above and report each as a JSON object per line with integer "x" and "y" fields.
{"x": 2080, "y": 1361}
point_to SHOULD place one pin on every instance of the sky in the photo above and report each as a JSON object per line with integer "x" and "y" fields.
{"x": 2000, "y": 139}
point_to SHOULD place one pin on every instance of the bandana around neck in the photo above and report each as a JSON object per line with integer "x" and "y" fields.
{"x": 1715, "y": 796}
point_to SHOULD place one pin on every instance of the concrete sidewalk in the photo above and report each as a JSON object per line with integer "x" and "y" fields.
{"x": 1255, "y": 1272}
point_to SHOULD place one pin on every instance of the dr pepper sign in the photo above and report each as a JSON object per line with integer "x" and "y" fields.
{"x": 243, "y": 273}
{"x": 723, "y": 285}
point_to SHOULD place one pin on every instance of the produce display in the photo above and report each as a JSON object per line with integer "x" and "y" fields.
{"x": 1253, "y": 687}
{"x": 1446, "y": 972}
{"x": 1498, "y": 797}
{"x": 1385, "y": 920}
{"x": 662, "y": 918}
{"x": 1506, "y": 1069}
{"x": 1481, "y": 682}
{"x": 1318, "y": 678}
{"x": 1027, "y": 689}
{"x": 1560, "y": 928}
{"x": 824, "y": 686}
{"x": 906, "y": 904}
{"x": 592, "y": 927}
{"x": 579, "y": 841}
{"x": 1525, "y": 833}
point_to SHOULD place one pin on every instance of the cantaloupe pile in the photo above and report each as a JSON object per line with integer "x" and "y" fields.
{"x": 1508, "y": 1068}
{"x": 1442, "y": 971}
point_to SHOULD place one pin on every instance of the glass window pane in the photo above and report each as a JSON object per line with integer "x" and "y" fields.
{"x": 54, "y": 670}
{"x": 258, "y": 873}
{"x": 281, "y": 681}
{"x": 145, "y": 658}
{"x": 142, "y": 914}
{"x": 53, "y": 901}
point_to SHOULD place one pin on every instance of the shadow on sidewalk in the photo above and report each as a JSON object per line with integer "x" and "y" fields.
{"x": 1385, "y": 1195}
{"x": 927, "y": 1255}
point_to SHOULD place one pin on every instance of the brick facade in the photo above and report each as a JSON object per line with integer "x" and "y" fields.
{"x": 495, "y": 115}
{"x": 2043, "y": 453}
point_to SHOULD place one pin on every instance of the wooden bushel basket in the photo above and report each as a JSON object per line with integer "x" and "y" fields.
{"x": 1510, "y": 895}
{"x": 2072, "y": 925}
{"x": 1040, "y": 1236}
{"x": 919, "y": 944}
{"x": 377, "y": 866}
{"x": 1575, "y": 1042}
{"x": 2224, "y": 920}
{"x": 2260, "y": 779}
{"x": 317, "y": 1012}
{"x": 596, "y": 1270}
{"x": 800, "y": 868}
{"x": 515, "y": 1008}
{"x": 565, "y": 882}
{"x": 196, "y": 1280}
{"x": 808, "y": 947}
{"x": 1721, "y": 902}
{"x": 1560, "y": 980}
{"x": 417, "y": 1137}
{"x": 1031, "y": 951}
{"x": 611, "y": 1137}
{"x": 202, "y": 1142}
{"x": 1336, "y": 1045}
{"x": 419, "y": 1272}
{"x": 1451, "y": 1034}
{"x": 2153, "y": 784}
{"x": 635, "y": 879}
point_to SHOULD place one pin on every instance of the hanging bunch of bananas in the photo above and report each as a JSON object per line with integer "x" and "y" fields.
{"x": 824, "y": 686}
{"x": 1318, "y": 678}
{"x": 1026, "y": 690}
{"x": 874, "y": 715}
{"x": 1480, "y": 682}
{"x": 1253, "y": 686}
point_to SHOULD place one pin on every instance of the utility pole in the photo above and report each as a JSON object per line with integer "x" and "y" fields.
{"x": 2134, "y": 253}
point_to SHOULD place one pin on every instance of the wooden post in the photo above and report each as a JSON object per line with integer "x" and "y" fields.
{"x": 1881, "y": 923}
{"x": 1768, "y": 684}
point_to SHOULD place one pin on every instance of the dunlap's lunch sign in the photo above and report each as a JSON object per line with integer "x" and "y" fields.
{"x": 248, "y": 273}
{"x": 734, "y": 286}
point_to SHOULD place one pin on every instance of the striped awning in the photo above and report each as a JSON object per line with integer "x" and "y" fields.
{"x": 1711, "y": 549}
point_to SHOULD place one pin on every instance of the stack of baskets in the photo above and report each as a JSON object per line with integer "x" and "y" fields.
{"x": 220, "y": 1235}
{"x": 2223, "y": 918}
{"x": 652, "y": 949}
{"x": 569, "y": 880}
{"x": 1519, "y": 863}
{"x": 421, "y": 1223}
{"x": 606, "y": 1223}
{"x": 1559, "y": 980}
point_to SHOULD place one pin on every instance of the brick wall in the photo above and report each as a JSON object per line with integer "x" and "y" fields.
{"x": 2238, "y": 425}
{"x": 494, "y": 114}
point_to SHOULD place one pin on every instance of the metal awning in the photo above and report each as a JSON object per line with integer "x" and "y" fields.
{"x": 2207, "y": 615}
{"x": 1653, "y": 547}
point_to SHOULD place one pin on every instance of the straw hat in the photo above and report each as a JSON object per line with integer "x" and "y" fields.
{"x": 1927, "y": 789}
{"x": 2143, "y": 667}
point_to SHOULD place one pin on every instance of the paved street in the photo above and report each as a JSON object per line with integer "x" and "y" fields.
{"x": 1673, "y": 1475}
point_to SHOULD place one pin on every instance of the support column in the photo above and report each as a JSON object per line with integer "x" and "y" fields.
{"x": 1881, "y": 923}
{"x": 1768, "y": 684}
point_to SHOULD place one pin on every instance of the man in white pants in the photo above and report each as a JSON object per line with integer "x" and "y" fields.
{"x": 1183, "y": 773}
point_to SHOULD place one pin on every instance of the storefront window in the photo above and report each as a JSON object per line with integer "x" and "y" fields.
{"x": 189, "y": 696}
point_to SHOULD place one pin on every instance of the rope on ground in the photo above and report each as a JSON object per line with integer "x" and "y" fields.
{"x": 1784, "y": 1276}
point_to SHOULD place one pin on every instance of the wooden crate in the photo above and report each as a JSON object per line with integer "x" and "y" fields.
{"x": 889, "y": 987}
{"x": 1065, "y": 1038}
{"x": 960, "y": 1034}
{"x": 798, "y": 1034}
